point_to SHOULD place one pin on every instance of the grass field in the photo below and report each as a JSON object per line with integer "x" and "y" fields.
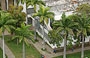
{"x": 31, "y": 52}
{"x": 77, "y": 55}
{"x": 1, "y": 56}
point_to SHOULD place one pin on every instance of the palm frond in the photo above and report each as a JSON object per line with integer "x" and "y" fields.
{"x": 26, "y": 41}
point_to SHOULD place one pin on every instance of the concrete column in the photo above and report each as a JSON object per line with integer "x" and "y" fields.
{"x": 3, "y": 4}
{"x": 15, "y": 2}
{"x": 7, "y": 4}
{"x": 10, "y": 2}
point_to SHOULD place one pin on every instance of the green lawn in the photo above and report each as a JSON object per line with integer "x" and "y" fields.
{"x": 31, "y": 52}
{"x": 1, "y": 56}
{"x": 77, "y": 55}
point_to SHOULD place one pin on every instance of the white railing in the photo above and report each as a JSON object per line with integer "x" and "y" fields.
{"x": 39, "y": 30}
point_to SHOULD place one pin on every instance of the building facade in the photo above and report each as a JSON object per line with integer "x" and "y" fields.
{"x": 5, "y": 4}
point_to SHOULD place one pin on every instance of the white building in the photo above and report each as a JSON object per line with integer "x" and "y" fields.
{"x": 58, "y": 7}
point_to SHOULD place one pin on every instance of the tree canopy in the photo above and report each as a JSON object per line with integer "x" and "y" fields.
{"x": 83, "y": 8}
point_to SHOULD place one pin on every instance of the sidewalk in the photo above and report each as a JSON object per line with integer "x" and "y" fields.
{"x": 49, "y": 52}
{"x": 38, "y": 45}
{"x": 7, "y": 50}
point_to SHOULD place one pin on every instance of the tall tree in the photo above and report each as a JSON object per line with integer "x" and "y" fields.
{"x": 55, "y": 37}
{"x": 86, "y": 9}
{"x": 34, "y": 3}
{"x": 74, "y": 18}
{"x": 64, "y": 28}
{"x": 83, "y": 25}
{"x": 6, "y": 23}
{"x": 44, "y": 14}
{"x": 83, "y": 8}
{"x": 17, "y": 14}
{"x": 23, "y": 33}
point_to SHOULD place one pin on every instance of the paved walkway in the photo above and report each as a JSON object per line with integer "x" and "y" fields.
{"x": 38, "y": 45}
{"x": 49, "y": 53}
{"x": 7, "y": 50}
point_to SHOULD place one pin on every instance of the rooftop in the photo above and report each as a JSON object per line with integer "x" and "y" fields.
{"x": 60, "y": 6}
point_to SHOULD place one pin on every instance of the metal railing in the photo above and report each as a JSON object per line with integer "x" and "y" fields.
{"x": 39, "y": 30}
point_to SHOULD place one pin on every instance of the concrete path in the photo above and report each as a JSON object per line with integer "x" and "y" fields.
{"x": 49, "y": 53}
{"x": 8, "y": 52}
{"x": 38, "y": 45}
{"x": 70, "y": 52}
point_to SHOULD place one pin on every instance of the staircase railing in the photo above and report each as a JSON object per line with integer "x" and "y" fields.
{"x": 39, "y": 30}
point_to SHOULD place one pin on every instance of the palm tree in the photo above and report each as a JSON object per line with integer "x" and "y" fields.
{"x": 23, "y": 33}
{"x": 34, "y": 3}
{"x": 83, "y": 8}
{"x": 44, "y": 14}
{"x": 64, "y": 28}
{"x": 17, "y": 14}
{"x": 74, "y": 18}
{"x": 83, "y": 26}
{"x": 55, "y": 37}
{"x": 6, "y": 23}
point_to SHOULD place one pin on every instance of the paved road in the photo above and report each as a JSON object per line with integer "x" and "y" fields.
{"x": 7, "y": 50}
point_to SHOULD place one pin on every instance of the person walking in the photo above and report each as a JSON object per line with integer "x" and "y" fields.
{"x": 54, "y": 50}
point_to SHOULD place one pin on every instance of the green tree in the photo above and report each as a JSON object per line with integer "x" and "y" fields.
{"x": 44, "y": 14}
{"x": 64, "y": 28}
{"x": 23, "y": 33}
{"x": 83, "y": 8}
{"x": 84, "y": 12}
{"x": 17, "y": 14}
{"x": 83, "y": 26}
{"x": 55, "y": 37}
{"x": 6, "y": 22}
{"x": 74, "y": 18}
{"x": 34, "y": 3}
